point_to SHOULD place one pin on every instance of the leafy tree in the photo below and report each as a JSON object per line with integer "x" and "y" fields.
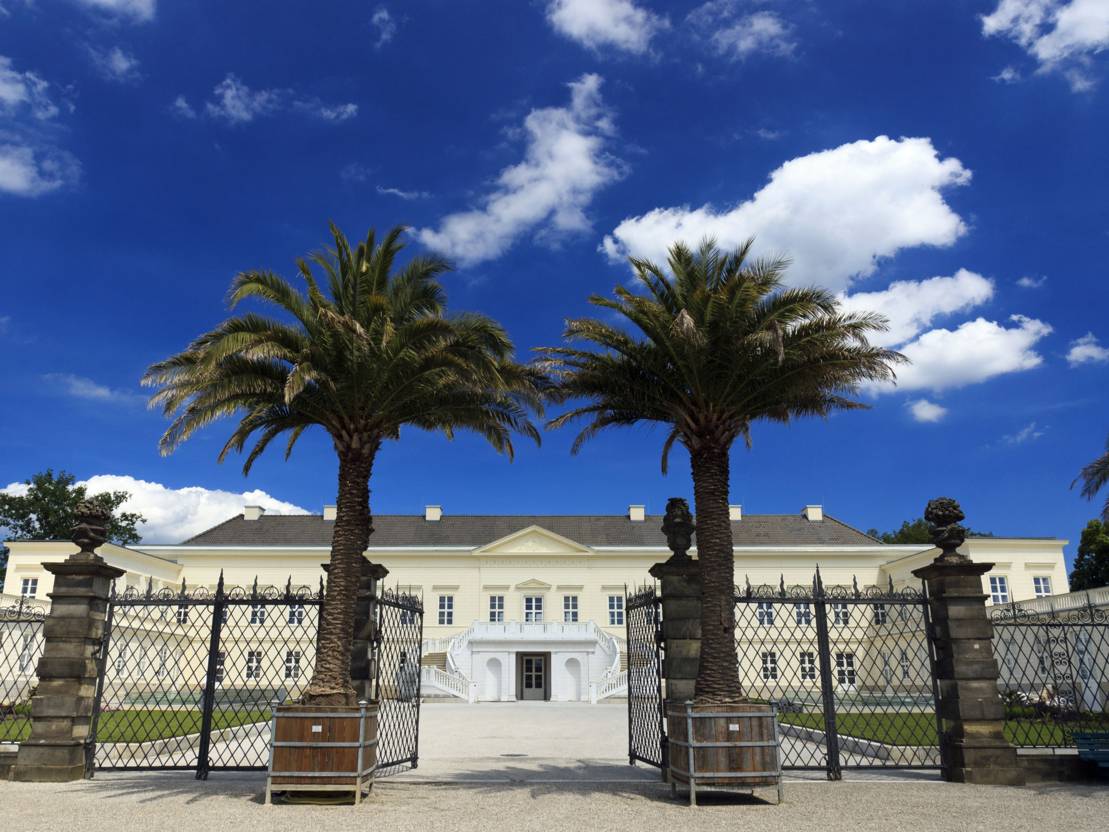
{"x": 914, "y": 531}
{"x": 708, "y": 352}
{"x": 46, "y": 510}
{"x": 1094, "y": 477}
{"x": 1091, "y": 564}
{"x": 372, "y": 353}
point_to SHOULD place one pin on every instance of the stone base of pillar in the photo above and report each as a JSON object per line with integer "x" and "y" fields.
{"x": 680, "y": 582}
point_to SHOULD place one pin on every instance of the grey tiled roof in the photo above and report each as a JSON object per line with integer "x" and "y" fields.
{"x": 479, "y": 529}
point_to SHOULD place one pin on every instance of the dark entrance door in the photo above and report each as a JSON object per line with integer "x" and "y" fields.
{"x": 533, "y": 680}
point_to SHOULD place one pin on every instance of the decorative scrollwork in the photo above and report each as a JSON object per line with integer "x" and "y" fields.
{"x": 403, "y": 600}
{"x": 642, "y": 596}
{"x": 1014, "y": 615}
{"x": 29, "y": 611}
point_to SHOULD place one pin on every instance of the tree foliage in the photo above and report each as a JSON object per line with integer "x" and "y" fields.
{"x": 1091, "y": 564}
{"x": 914, "y": 531}
{"x": 1093, "y": 478}
{"x": 47, "y": 510}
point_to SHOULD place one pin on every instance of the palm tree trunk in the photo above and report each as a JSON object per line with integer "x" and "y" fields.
{"x": 718, "y": 672}
{"x": 331, "y": 683}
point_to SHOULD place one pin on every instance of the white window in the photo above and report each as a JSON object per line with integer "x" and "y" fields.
{"x": 616, "y": 610}
{"x": 496, "y": 608}
{"x": 292, "y": 664}
{"x": 219, "y": 666}
{"x": 223, "y": 615}
{"x": 121, "y": 660}
{"x": 446, "y": 609}
{"x": 163, "y": 658}
{"x": 905, "y": 664}
{"x": 999, "y": 589}
{"x": 570, "y": 609}
{"x": 845, "y": 669}
{"x": 296, "y": 614}
{"x": 802, "y": 614}
{"x": 25, "y": 652}
{"x": 880, "y": 614}
{"x": 182, "y": 613}
{"x": 1041, "y": 585}
{"x": 841, "y": 613}
{"x": 765, "y": 613}
{"x": 29, "y": 587}
{"x": 807, "y": 663}
{"x": 533, "y": 608}
{"x": 257, "y": 614}
{"x": 254, "y": 664}
{"x": 769, "y": 666}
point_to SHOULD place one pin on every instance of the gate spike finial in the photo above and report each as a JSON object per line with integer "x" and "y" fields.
{"x": 890, "y": 577}
{"x": 149, "y": 587}
{"x": 289, "y": 587}
{"x": 855, "y": 585}
{"x": 782, "y": 583}
{"x": 183, "y": 590}
{"x": 321, "y": 586}
{"x": 254, "y": 589}
{"x": 747, "y": 581}
{"x": 219, "y": 585}
{"x": 818, "y": 582}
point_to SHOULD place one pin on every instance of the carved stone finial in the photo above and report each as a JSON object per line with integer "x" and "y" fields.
{"x": 678, "y": 527}
{"x": 91, "y": 529}
{"x": 944, "y": 517}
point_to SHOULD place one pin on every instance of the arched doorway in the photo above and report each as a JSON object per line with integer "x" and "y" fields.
{"x": 573, "y": 679}
{"x": 491, "y": 689}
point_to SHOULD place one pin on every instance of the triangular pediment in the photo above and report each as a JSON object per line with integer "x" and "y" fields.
{"x": 534, "y": 540}
{"x": 533, "y": 583}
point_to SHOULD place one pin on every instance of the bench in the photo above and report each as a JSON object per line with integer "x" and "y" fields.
{"x": 1093, "y": 746}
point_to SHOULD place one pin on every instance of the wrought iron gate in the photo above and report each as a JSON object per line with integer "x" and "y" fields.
{"x": 646, "y": 719}
{"x": 851, "y": 670}
{"x": 188, "y": 677}
{"x": 21, "y": 643}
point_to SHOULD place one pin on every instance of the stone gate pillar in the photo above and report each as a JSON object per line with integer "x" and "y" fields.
{"x": 362, "y": 671}
{"x": 680, "y": 580}
{"x": 61, "y": 709}
{"x": 973, "y": 748}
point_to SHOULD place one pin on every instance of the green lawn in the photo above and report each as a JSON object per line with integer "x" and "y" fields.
{"x": 145, "y": 725}
{"x": 920, "y": 728}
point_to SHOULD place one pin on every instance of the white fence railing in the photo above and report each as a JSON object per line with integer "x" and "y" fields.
{"x": 453, "y": 683}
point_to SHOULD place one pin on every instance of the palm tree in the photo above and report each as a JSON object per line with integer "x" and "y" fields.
{"x": 1094, "y": 477}
{"x": 373, "y": 353}
{"x": 708, "y": 351}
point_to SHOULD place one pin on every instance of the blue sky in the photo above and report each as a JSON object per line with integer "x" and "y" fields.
{"x": 942, "y": 163}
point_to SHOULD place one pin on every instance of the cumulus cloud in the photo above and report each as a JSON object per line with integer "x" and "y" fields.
{"x": 1062, "y": 35}
{"x": 80, "y": 387}
{"x": 236, "y": 103}
{"x": 836, "y": 212}
{"x": 973, "y": 352}
{"x": 24, "y": 93}
{"x": 606, "y": 23}
{"x": 139, "y": 11}
{"x": 1029, "y": 282}
{"x": 384, "y": 25}
{"x": 912, "y": 305}
{"x": 115, "y": 65}
{"x": 176, "y": 514}
{"x": 1087, "y": 350}
{"x": 923, "y": 410}
{"x": 31, "y": 162}
{"x": 737, "y": 35}
{"x": 26, "y": 170}
{"x": 564, "y": 165}
{"x": 182, "y": 108}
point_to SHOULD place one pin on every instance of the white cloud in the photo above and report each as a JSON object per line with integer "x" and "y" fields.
{"x": 912, "y": 305}
{"x": 1029, "y": 282}
{"x": 24, "y": 93}
{"x": 115, "y": 65}
{"x": 1087, "y": 350}
{"x": 79, "y": 387}
{"x": 1008, "y": 75}
{"x": 1061, "y": 35}
{"x": 139, "y": 10}
{"x": 926, "y": 411}
{"x": 334, "y": 113}
{"x": 600, "y": 23}
{"x": 33, "y": 171}
{"x": 564, "y": 165}
{"x": 385, "y": 25}
{"x": 974, "y": 352}
{"x": 406, "y": 195}
{"x": 236, "y": 103}
{"x": 176, "y": 514}
{"x": 182, "y": 108}
{"x": 737, "y": 35}
{"x": 836, "y": 213}
{"x": 1029, "y": 433}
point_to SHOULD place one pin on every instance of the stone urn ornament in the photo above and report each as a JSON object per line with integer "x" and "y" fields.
{"x": 678, "y": 527}
{"x": 944, "y": 517}
{"x": 90, "y": 531}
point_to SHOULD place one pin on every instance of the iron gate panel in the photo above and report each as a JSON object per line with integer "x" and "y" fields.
{"x": 1054, "y": 672}
{"x": 398, "y": 645}
{"x": 646, "y": 720}
{"x": 21, "y": 644}
{"x": 852, "y": 672}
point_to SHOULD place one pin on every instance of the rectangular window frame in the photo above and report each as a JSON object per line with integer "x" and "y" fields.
{"x": 1041, "y": 585}
{"x": 496, "y": 609}
{"x": 295, "y": 615}
{"x": 764, "y": 613}
{"x": 616, "y": 610}
{"x": 846, "y": 672}
{"x": 28, "y": 587}
{"x": 253, "y": 665}
{"x": 769, "y": 666}
{"x": 802, "y": 614}
{"x": 446, "y": 610}
{"x": 292, "y": 665}
{"x": 841, "y": 613}
{"x": 533, "y": 609}
{"x": 257, "y": 614}
{"x": 571, "y": 612}
{"x": 806, "y": 661}
{"x": 999, "y": 589}
{"x": 879, "y": 614}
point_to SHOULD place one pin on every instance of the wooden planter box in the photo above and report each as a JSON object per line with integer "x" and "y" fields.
{"x": 730, "y": 746}
{"x": 323, "y": 748}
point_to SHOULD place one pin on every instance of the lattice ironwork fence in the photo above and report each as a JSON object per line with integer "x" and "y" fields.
{"x": 1054, "y": 672}
{"x": 852, "y": 672}
{"x": 646, "y": 718}
{"x": 21, "y": 643}
{"x": 188, "y": 677}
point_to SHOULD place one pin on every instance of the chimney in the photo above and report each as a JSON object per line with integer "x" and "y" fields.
{"x": 329, "y": 513}
{"x": 735, "y": 513}
{"x": 253, "y": 512}
{"x": 814, "y": 514}
{"x": 637, "y": 514}
{"x": 433, "y": 514}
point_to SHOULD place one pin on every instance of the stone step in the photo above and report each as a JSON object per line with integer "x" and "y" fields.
{"x": 438, "y": 660}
